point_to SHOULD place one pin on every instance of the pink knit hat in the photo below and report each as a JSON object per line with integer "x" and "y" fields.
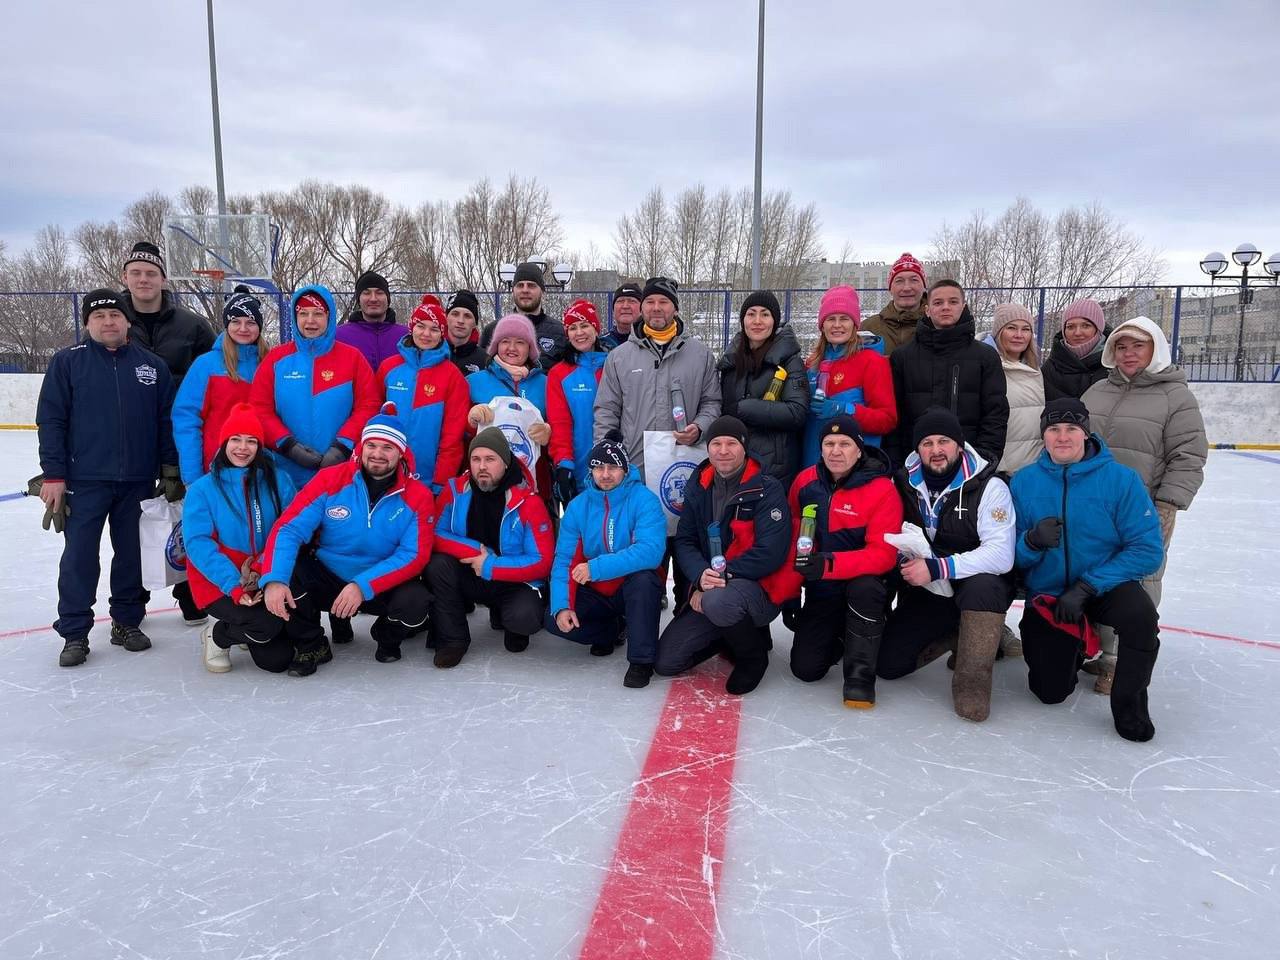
{"x": 1089, "y": 310}
{"x": 840, "y": 300}
{"x": 515, "y": 325}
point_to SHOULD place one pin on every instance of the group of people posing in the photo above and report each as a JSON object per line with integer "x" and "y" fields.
{"x": 412, "y": 472}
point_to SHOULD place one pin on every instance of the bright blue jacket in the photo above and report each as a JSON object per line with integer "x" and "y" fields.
{"x": 222, "y": 525}
{"x": 571, "y": 397}
{"x": 432, "y": 401}
{"x": 1110, "y": 529}
{"x": 493, "y": 381}
{"x": 618, "y": 533}
{"x": 376, "y": 549}
{"x": 314, "y": 391}
{"x": 205, "y": 397}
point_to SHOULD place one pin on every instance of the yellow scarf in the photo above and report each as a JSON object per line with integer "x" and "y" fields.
{"x": 661, "y": 336}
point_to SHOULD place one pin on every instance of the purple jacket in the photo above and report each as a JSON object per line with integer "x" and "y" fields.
{"x": 376, "y": 341}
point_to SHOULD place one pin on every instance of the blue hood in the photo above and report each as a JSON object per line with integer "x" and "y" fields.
{"x": 423, "y": 359}
{"x": 323, "y": 343}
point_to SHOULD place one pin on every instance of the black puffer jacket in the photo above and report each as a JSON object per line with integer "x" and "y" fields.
{"x": 775, "y": 426}
{"x": 949, "y": 368}
{"x": 1066, "y": 375}
{"x": 177, "y": 337}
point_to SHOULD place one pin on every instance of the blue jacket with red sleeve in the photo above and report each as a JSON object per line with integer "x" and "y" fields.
{"x": 205, "y": 397}
{"x": 375, "y": 548}
{"x": 571, "y": 397}
{"x": 313, "y": 391}
{"x": 432, "y": 400}
{"x": 526, "y": 543}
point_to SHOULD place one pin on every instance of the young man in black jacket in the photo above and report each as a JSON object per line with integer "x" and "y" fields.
{"x": 731, "y": 542}
{"x": 526, "y": 292}
{"x": 105, "y": 436}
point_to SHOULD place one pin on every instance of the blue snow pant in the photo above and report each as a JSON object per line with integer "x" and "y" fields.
{"x": 633, "y": 607}
{"x": 92, "y": 504}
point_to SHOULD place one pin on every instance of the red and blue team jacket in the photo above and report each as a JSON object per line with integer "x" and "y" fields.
{"x": 376, "y": 549}
{"x": 571, "y": 395}
{"x": 313, "y": 391}
{"x": 860, "y": 384}
{"x": 526, "y": 543}
{"x": 205, "y": 397}
{"x": 432, "y": 401}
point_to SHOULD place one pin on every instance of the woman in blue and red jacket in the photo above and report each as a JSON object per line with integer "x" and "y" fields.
{"x": 216, "y": 382}
{"x": 313, "y": 394}
{"x": 571, "y": 394}
{"x": 855, "y": 379}
{"x": 430, "y": 393}
{"x": 226, "y": 520}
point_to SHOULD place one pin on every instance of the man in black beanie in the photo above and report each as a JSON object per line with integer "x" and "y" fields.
{"x": 965, "y": 588}
{"x": 526, "y": 293}
{"x": 372, "y": 328}
{"x": 462, "y": 314}
{"x": 156, "y": 322}
{"x": 626, "y": 311}
{"x": 731, "y": 542}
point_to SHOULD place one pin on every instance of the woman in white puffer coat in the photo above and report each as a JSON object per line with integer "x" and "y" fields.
{"x": 1014, "y": 337}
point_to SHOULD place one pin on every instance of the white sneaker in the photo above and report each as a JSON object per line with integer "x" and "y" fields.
{"x": 216, "y": 660}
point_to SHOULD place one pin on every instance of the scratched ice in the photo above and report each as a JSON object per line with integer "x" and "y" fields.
{"x": 155, "y": 810}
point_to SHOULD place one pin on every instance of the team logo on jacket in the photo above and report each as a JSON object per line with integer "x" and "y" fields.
{"x": 999, "y": 514}
{"x": 326, "y": 375}
{"x": 775, "y": 514}
{"x": 837, "y": 378}
{"x": 338, "y": 513}
{"x": 175, "y": 549}
{"x": 546, "y": 344}
{"x": 146, "y": 374}
{"x": 429, "y": 389}
{"x": 671, "y": 487}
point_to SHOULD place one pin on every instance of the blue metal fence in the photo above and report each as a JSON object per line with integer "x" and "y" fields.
{"x": 1213, "y": 336}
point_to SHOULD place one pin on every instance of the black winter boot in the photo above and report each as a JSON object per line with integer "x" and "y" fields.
{"x": 1129, "y": 692}
{"x": 340, "y": 629}
{"x": 749, "y": 646}
{"x": 861, "y": 649}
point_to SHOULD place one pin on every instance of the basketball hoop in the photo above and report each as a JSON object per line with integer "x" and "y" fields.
{"x": 216, "y": 276}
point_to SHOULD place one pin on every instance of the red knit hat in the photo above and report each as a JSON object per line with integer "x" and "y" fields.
{"x": 840, "y": 300}
{"x": 312, "y": 300}
{"x": 580, "y": 311}
{"x": 430, "y": 310}
{"x": 907, "y": 264}
{"x": 242, "y": 421}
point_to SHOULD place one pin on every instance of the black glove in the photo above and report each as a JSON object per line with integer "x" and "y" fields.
{"x": 814, "y": 566}
{"x": 565, "y": 486}
{"x": 1045, "y": 534}
{"x": 1070, "y": 606}
{"x": 336, "y": 454}
{"x": 170, "y": 486}
{"x": 305, "y": 457}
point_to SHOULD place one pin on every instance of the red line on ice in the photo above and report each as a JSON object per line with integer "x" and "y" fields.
{"x": 658, "y": 901}
{"x": 1269, "y": 644}
{"x": 26, "y": 630}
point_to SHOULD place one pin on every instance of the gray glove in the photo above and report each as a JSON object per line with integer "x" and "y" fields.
{"x": 305, "y": 457}
{"x": 336, "y": 454}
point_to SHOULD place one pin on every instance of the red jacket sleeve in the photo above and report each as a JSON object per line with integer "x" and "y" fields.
{"x": 457, "y": 403}
{"x": 559, "y": 417}
{"x": 787, "y": 575}
{"x": 366, "y": 398}
{"x": 533, "y": 514}
{"x": 876, "y": 557}
{"x": 879, "y": 414}
{"x": 262, "y": 395}
{"x": 446, "y": 541}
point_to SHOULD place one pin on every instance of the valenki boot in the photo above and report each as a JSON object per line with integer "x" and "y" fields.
{"x": 975, "y": 655}
{"x": 1129, "y": 692}
{"x": 861, "y": 649}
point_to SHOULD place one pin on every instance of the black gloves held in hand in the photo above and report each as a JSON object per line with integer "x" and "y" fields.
{"x": 1070, "y": 606}
{"x": 170, "y": 486}
{"x": 814, "y": 566}
{"x": 565, "y": 486}
{"x": 336, "y": 454}
{"x": 1045, "y": 534}
{"x": 306, "y": 457}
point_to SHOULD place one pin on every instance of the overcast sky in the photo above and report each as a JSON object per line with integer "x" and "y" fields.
{"x": 891, "y": 117}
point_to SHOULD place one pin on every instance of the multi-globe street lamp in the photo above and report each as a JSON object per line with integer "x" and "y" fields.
{"x": 1245, "y": 256}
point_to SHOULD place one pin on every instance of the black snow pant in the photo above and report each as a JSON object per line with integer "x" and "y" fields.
{"x": 633, "y": 607}
{"x": 454, "y": 584}
{"x": 820, "y": 632}
{"x": 735, "y": 618}
{"x": 256, "y": 626}
{"x": 922, "y": 618}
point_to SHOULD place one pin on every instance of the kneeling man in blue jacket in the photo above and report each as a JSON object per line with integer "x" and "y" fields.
{"x": 1088, "y": 534}
{"x": 604, "y": 582}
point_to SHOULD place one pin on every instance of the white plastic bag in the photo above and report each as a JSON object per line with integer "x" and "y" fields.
{"x": 514, "y": 416}
{"x": 164, "y": 555}
{"x": 667, "y": 466}
{"x": 912, "y": 544}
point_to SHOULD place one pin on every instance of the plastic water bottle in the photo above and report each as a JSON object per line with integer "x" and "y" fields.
{"x": 808, "y": 526}
{"x": 774, "y": 390}
{"x": 824, "y": 375}
{"x": 718, "y": 562}
{"x": 677, "y": 408}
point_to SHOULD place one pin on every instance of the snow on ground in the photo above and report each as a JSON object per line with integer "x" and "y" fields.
{"x": 156, "y": 810}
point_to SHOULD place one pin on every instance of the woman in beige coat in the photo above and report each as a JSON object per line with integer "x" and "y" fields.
{"x": 1014, "y": 337}
{"x": 1151, "y": 422}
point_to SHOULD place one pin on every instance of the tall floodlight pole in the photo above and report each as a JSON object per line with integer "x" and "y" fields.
{"x": 755, "y": 213}
{"x": 217, "y": 120}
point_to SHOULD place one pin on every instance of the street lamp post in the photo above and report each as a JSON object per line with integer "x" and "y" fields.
{"x": 561, "y": 273}
{"x": 1245, "y": 256}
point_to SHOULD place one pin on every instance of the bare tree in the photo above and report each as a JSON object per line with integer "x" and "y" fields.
{"x": 103, "y": 247}
{"x": 40, "y": 321}
{"x": 640, "y": 238}
{"x": 792, "y": 238}
{"x": 144, "y": 219}
{"x": 729, "y": 244}
{"x": 422, "y": 260}
{"x": 689, "y": 234}
{"x": 491, "y": 228}
{"x": 300, "y": 255}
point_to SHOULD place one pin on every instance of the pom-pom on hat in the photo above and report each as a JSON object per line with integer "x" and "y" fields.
{"x": 582, "y": 311}
{"x": 611, "y": 451}
{"x": 907, "y": 264}
{"x": 242, "y": 303}
{"x": 430, "y": 310}
{"x": 386, "y": 425}
{"x": 242, "y": 421}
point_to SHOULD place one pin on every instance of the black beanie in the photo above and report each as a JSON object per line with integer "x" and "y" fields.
{"x": 531, "y": 272}
{"x": 843, "y": 425}
{"x": 937, "y": 421}
{"x": 629, "y": 289}
{"x": 242, "y": 303}
{"x": 762, "y": 298}
{"x": 727, "y": 426}
{"x": 610, "y": 452}
{"x": 372, "y": 281}
{"x": 100, "y": 299}
{"x": 662, "y": 287}
{"x": 467, "y": 301}
{"x": 144, "y": 251}
{"x": 1065, "y": 410}
{"x": 493, "y": 439}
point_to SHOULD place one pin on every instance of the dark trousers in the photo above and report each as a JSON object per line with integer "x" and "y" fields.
{"x": 1053, "y": 657}
{"x": 262, "y": 630}
{"x": 93, "y": 504}
{"x": 601, "y": 619}
{"x": 734, "y": 618}
{"x": 187, "y": 603}
{"x": 315, "y": 587}
{"x": 922, "y": 618}
{"x": 454, "y": 584}
{"x": 820, "y": 631}
{"x": 680, "y": 583}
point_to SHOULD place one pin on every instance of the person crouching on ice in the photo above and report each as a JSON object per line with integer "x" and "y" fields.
{"x": 604, "y": 582}
{"x": 354, "y": 539}
{"x": 1088, "y": 533}
{"x": 852, "y": 502}
{"x": 226, "y": 520}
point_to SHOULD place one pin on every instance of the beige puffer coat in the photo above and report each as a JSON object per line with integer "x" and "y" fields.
{"x": 1151, "y": 423}
{"x": 1023, "y": 440}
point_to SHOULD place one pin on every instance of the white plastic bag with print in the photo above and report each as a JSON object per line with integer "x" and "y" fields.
{"x": 164, "y": 555}
{"x": 913, "y": 544}
{"x": 667, "y": 466}
{"x": 514, "y": 416}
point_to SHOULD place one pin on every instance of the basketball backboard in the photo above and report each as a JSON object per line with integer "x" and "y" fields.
{"x": 240, "y": 245}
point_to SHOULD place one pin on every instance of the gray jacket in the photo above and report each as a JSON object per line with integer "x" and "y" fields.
{"x": 635, "y": 388}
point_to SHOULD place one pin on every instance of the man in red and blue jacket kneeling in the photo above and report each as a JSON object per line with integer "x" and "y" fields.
{"x": 355, "y": 539}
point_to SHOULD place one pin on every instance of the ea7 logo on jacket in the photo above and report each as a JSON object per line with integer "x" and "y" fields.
{"x": 146, "y": 374}
{"x": 338, "y": 513}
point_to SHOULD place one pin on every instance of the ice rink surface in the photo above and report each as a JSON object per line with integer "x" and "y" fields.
{"x": 154, "y": 810}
